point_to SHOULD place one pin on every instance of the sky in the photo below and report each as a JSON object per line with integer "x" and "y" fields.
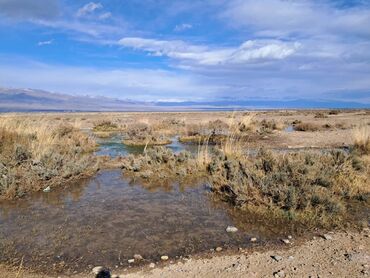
{"x": 182, "y": 50}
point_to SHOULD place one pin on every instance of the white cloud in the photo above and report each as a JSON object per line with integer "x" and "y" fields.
{"x": 183, "y": 27}
{"x": 89, "y": 8}
{"x": 42, "y": 43}
{"x": 138, "y": 84}
{"x": 104, "y": 16}
{"x": 307, "y": 17}
{"x": 249, "y": 51}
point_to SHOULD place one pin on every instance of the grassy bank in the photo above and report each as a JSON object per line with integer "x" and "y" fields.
{"x": 310, "y": 187}
{"x": 35, "y": 154}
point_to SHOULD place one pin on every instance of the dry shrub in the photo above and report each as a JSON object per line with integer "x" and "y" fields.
{"x": 307, "y": 186}
{"x": 270, "y": 125}
{"x": 34, "y": 155}
{"x": 320, "y": 115}
{"x": 306, "y": 127}
{"x": 105, "y": 125}
{"x": 361, "y": 138}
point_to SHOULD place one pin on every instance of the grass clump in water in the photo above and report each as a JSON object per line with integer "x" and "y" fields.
{"x": 309, "y": 187}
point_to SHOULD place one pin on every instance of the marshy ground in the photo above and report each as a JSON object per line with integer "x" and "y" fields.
{"x": 85, "y": 189}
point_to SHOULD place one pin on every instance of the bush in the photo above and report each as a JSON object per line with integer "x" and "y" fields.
{"x": 304, "y": 184}
{"x": 306, "y": 127}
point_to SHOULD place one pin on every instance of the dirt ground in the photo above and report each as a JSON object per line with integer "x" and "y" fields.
{"x": 340, "y": 254}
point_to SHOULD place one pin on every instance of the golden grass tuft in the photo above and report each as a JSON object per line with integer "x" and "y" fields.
{"x": 361, "y": 138}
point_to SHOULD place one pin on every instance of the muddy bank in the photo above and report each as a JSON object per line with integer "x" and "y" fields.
{"x": 342, "y": 254}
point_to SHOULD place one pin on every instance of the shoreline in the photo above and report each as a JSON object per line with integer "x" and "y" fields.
{"x": 337, "y": 254}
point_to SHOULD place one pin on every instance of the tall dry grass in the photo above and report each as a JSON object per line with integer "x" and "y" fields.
{"x": 35, "y": 152}
{"x": 234, "y": 143}
{"x": 361, "y": 138}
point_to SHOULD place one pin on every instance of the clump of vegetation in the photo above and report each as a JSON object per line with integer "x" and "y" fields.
{"x": 361, "y": 138}
{"x": 304, "y": 186}
{"x": 159, "y": 163}
{"x": 320, "y": 115}
{"x": 105, "y": 126}
{"x": 334, "y": 112}
{"x": 36, "y": 155}
{"x": 309, "y": 187}
{"x": 141, "y": 134}
{"x": 267, "y": 126}
{"x": 306, "y": 127}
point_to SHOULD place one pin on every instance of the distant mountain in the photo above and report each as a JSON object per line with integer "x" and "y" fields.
{"x": 27, "y": 100}
{"x": 265, "y": 104}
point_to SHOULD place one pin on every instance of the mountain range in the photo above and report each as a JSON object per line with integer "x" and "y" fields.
{"x": 32, "y": 100}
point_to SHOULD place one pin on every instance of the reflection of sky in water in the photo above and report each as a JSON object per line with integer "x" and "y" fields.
{"x": 114, "y": 147}
{"x": 96, "y": 221}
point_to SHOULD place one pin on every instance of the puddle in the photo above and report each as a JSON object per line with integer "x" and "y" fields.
{"x": 114, "y": 147}
{"x": 289, "y": 128}
{"x": 106, "y": 220}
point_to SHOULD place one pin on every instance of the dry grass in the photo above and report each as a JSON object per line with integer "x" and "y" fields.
{"x": 308, "y": 187}
{"x": 36, "y": 154}
{"x": 361, "y": 138}
{"x": 306, "y": 127}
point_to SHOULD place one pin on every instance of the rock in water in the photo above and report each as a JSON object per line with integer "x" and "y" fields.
{"x": 47, "y": 189}
{"x": 231, "y": 229}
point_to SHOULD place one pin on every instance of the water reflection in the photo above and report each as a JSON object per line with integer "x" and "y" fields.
{"x": 109, "y": 219}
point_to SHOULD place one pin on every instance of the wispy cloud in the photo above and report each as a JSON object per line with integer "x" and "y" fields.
{"x": 42, "y": 43}
{"x": 249, "y": 51}
{"x": 89, "y": 9}
{"x": 182, "y": 27}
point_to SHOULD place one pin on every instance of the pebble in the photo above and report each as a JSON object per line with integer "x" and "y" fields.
{"x": 327, "y": 237}
{"x": 253, "y": 239}
{"x": 231, "y": 229}
{"x": 279, "y": 274}
{"x": 218, "y": 249}
{"x": 277, "y": 258}
{"x": 138, "y": 257}
{"x": 152, "y": 265}
{"x": 286, "y": 241}
{"x": 291, "y": 258}
{"x": 290, "y": 237}
{"x": 47, "y": 189}
{"x": 97, "y": 269}
{"x": 164, "y": 258}
{"x": 131, "y": 261}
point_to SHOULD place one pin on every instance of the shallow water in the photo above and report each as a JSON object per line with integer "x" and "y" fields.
{"x": 106, "y": 220}
{"x": 114, "y": 147}
{"x": 289, "y": 128}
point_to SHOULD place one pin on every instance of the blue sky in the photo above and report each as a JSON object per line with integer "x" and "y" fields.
{"x": 199, "y": 50}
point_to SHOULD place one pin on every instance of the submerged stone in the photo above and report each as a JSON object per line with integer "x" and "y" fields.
{"x": 231, "y": 229}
